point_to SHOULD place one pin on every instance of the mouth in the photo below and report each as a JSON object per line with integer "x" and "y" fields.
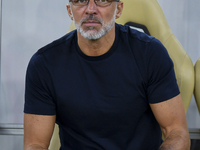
{"x": 91, "y": 23}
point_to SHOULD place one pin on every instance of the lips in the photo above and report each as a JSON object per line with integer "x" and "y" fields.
{"x": 91, "y": 22}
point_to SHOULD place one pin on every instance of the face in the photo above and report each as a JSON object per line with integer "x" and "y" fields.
{"x": 93, "y": 22}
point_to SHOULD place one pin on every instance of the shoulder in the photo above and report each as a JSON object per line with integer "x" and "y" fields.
{"x": 64, "y": 40}
{"x": 133, "y": 34}
{"x": 54, "y": 49}
{"x": 52, "y": 52}
{"x": 147, "y": 51}
{"x": 141, "y": 43}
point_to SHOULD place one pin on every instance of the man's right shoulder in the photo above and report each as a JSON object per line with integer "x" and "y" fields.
{"x": 64, "y": 40}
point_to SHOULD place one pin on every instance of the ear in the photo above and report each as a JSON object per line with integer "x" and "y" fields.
{"x": 69, "y": 11}
{"x": 120, "y": 6}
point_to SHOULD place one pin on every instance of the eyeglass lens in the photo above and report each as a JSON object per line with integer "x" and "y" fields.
{"x": 102, "y": 3}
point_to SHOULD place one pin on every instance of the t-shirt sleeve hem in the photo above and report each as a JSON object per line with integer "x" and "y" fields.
{"x": 162, "y": 98}
{"x": 48, "y": 113}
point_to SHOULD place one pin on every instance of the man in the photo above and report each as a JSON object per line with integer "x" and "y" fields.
{"x": 107, "y": 86}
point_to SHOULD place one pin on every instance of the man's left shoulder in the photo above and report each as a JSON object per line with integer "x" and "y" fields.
{"x": 134, "y": 33}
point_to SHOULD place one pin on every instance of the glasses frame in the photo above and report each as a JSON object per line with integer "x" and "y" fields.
{"x": 95, "y": 1}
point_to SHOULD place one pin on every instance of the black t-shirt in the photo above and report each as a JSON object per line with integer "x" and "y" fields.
{"x": 102, "y": 103}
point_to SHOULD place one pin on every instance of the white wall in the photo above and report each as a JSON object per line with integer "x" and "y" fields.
{"x": 27, "y": 25}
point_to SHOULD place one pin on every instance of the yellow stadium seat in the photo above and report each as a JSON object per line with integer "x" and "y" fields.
{"x": 55, "y": 140}
{"x": 197, "y": 83}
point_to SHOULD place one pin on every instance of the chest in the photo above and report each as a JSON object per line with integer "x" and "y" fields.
{"x": 107, "y": 89}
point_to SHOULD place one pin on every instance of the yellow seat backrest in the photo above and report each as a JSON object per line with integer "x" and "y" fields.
{"x": 197, "y": 83}
{"x": 55, "y": 140}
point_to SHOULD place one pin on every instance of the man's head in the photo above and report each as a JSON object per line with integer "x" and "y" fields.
{"x": 94, "y": 18}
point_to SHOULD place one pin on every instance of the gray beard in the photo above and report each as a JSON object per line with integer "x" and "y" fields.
{"x": 96, "y": 34}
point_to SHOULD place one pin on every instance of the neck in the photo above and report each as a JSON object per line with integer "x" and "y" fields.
{"x": 97, "y": 47}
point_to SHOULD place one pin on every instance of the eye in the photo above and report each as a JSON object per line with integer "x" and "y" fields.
{"x": 80, "y": 1}
{"x": 103, "y": 1}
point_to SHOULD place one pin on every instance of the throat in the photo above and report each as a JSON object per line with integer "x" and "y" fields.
{"x": 95, "y": 47}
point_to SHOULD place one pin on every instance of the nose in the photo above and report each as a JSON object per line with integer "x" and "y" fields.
{"x": 91, "y": 8}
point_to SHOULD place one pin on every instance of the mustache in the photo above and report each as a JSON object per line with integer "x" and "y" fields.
{"x": 91, "y": 17}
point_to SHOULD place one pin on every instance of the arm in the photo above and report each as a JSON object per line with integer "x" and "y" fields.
{"x": 38, "y": 130}
{"x": 170, "y": 115}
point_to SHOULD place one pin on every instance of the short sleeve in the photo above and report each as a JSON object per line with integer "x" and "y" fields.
{"x": 38, "y": 88}
{"x": 162, "y": 84}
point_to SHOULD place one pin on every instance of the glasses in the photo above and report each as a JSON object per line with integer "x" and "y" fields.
{"x": 101, "y": 3}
